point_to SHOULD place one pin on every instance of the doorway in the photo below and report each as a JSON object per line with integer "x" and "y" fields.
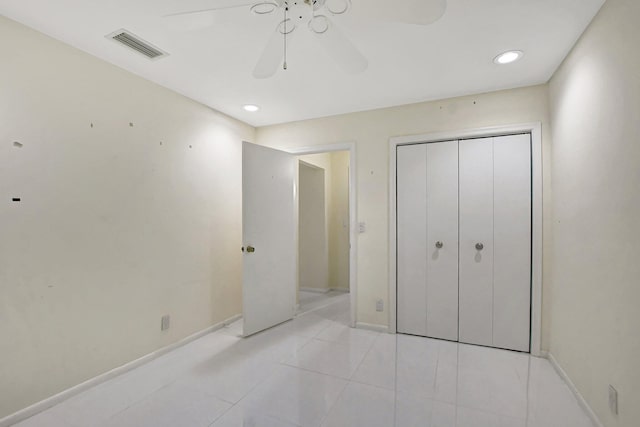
{"x": 270, "y": 234}
{"x": 323, "y": 228}
{"x": 348, "y": 222}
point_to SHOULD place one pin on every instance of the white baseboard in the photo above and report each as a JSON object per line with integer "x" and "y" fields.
{"x": 227, "y": 322}
{"x": 50, "y": 402}
{"x": 574, "y": 390}
{"x": 316, "y": 290}
{"x": 372, "y": 327}
{"x": 343, "y": 290}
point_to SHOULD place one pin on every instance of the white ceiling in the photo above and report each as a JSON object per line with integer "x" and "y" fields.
{"x": 407, "y": 63}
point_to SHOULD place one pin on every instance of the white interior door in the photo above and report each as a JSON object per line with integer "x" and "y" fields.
{"x": 476, "y": 241}
{"x": 512, "y": 242}
{"x": 427, "y": 212}
{"x": 269, "y": 237}
{"x": 495, "y": 214}
{"x": 412, "y": 239}
{"x": 442, "y": 240}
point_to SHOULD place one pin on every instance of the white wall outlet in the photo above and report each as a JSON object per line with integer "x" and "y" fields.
{"x": 379, "y": 305}
{"x": 613, "y": 400}
{"x": 362, "y": 227}
{"x": 165, "y": 322}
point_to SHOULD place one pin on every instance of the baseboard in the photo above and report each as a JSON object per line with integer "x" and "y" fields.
{"x": 227, "y": 322}
{"x": 316, "y": 290}
{"x": 54, "y": 400}
{"x": 372, "y": 327}
{"x": 343, "y": 290}
{"x": 574, "y": 390}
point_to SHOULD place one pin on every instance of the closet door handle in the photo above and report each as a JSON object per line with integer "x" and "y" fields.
{"x": 479, "y": 246}
{"x": 439, "y": 245}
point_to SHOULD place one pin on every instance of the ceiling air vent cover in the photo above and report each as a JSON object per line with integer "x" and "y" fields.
{"x": 134, "y": 42}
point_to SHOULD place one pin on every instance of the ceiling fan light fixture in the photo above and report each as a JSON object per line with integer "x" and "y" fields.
{"x": 319, "y": 24}
{"x": 251, "y": 108}
{"x": 338, "y": 7}
{"x": 264, "y": 7}
{"x": 508, "y": 57}
{"x": 287, "y": 26}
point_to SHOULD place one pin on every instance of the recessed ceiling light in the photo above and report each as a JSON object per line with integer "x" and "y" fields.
{"x": 508, "y": 57}
{"x": 251, "y": 108}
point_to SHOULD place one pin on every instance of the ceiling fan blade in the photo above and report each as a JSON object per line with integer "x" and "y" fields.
{"x": 342, "y": 50}
{"x": 417, "y": 12}
{"x": 244, "y": 3}
{"x": 272, "y": 56}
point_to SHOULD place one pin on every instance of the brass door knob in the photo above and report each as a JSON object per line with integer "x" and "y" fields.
{"x": 251, "y": 249}
{"x": 439, "y": 245}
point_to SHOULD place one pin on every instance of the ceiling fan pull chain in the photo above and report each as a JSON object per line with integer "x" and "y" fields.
{"x": 285, "y": 37}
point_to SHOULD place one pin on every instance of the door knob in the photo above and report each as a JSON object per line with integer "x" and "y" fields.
{"x": 479, "y": 246}
{"x": 439, "y": 245}
{"x": 251, "y": 249}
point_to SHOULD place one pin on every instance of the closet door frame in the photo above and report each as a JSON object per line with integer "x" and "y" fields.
{"x": 535, "y": 129}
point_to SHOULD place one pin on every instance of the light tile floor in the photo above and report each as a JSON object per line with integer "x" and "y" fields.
{"x": 316, "y": 371}
{"x": 312, "y": 300}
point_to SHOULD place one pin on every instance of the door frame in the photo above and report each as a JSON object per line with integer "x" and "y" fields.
{"x": 353, "y": 216}
{"x": 535, "y": 129}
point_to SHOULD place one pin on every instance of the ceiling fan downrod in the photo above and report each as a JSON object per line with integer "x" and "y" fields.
{"x": 286, "y": 9}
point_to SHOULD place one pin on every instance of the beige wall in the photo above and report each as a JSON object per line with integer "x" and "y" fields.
{"x": 336, "y": 167}
{"x": 595, "y": 288}
{"x": 114, "y": 229}
{"x": 313, "y": 251}
{"x": 339, "y": 222}
{"x": 371, "y": 132}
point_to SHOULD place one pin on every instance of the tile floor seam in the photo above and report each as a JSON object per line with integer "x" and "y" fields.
{"x": 372, "y": 385}
{"x": 329, "y": 324}
{"x": 315, "y": 372}
{"x": 366, "y": 353}
{"x": 326, "y": 415}
{"x": 142, "y": 399}
{"x": 435, "y": 376}
{"x": 233, "y": 405}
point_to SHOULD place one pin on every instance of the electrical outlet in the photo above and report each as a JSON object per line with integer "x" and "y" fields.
{"x": 165, "y": 322}
{"x": 379, "y": 305}
{"x": 362, "y": 227}
{"x": 613, "y": 400}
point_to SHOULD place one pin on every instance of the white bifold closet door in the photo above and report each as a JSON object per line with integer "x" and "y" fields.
{"x": 464, "y": 241}
{"x": 495, "y": 242}
{"x": 428, "y": 239}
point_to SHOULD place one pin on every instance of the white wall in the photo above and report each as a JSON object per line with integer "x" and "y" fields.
{"x": 114, "y": 229}
{"x": 595, "y": 288}
{"x": 371, "y": 131}
{"x": 313, "y": 251}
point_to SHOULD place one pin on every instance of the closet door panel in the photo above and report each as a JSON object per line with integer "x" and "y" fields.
{"x": 442, "y": 227}
{"x": 476, "y": 228}
{"x": 412, "y": 239}
{"x": 512, "y": 242}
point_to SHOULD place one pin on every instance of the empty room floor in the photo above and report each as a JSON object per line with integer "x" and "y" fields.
{"x": 316, "y": 371}
{"x": 312, "y": 300}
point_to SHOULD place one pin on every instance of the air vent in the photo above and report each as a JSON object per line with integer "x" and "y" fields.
{"x": 134, "y": 42}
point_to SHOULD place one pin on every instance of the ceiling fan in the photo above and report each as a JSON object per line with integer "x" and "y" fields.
{"x": 316, "y": 15}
